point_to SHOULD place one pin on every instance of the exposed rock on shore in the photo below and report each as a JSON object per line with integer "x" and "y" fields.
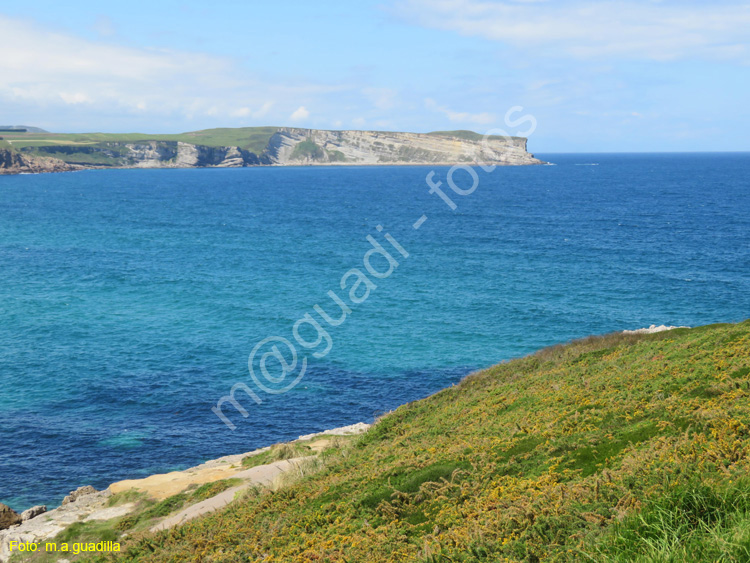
{"x": 652, "y": 329}
{"x": 86, "y": 504}
{"x": 33, "y": 512}
{"x": 12, "y": 162}
{"x": 86, "y": 508}
{"x": 78, "y": 493}
{"x": 8, "y": 517}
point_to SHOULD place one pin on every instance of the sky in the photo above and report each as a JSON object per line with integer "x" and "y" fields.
{"x": 622, "y": 75}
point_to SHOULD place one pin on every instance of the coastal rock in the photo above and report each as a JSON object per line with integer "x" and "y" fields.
{"x": 78, "y": 493}
{"x": 352, "y": 429}
{"x": 8, "y": 517}
{"x": 12, "y": 162}
{"x": 291, "y": 145}
{"x": 86, "y": 508}
{"x": 652, "y": 329}
{"x": 148, "y": 155}
{"x": 187, "y": 155}
{"x": 33, "y": 512}
{"x": 165, "y": 154}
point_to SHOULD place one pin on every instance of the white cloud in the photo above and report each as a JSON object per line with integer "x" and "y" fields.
{"x": 381, "y": 98}
{"x": 75, "y": 98}
{"x": 249, "y": 112}
{"x": 67, "y": 81}
{"x": 460, "y": 116}
{"x": 587, "y": 29}
{"x": 265, "y": 108}
{"x": 50, "y": 68}
{"x": 299, "y": 114}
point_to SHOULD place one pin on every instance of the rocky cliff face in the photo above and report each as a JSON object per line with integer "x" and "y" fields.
{"x": 167, "y": 154}
{"x": 150, "y": 154}
{"x": 12, "y": 162}
{"x": 287, "y": 146}
{"x": 312, "y": 146}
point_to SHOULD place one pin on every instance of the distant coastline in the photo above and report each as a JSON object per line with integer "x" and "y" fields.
{"x": 34, "y": 152}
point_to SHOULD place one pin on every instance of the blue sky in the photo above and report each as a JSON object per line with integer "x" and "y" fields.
{"x": 624, "y": 75}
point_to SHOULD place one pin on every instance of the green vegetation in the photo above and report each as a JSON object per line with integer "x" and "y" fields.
{"x": 277, "y": 452}
{"x": 307, "y": 149}
{"x": 209, "y": 490}
{"x": 124, "y": 497}
{"x": 336, "y": 156}
{"x": 84, "y": 532}
{"x": 693, "y": 522}
{"x": 96, "y": 154}
{"x": 254, "y": 139}
{"x": 148, "y": 510}
{"x": 615, "y": 448}
{"x": 467, "y": 135}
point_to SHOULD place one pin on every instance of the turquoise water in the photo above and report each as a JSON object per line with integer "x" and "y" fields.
{"x": 130, "y": 300}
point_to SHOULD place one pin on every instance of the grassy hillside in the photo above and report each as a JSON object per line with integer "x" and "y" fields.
{"x": 616, "y": 448}
{"x": 253, "y": 139}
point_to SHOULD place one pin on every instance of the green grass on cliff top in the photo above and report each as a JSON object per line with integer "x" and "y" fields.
{"x": 253, "y": 139}
{"x": 614, "y": 448}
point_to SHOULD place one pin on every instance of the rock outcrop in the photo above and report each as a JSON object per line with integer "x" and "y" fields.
{"x": 151, "y": 154}
{"x": 8, "y": 517}
{"x": 87, "y": 508}
{"x": 33, "y": 512}
{"x": 12, "y": 162}
{"x": 652, "y": 329}
{"x": 78, "y": 493}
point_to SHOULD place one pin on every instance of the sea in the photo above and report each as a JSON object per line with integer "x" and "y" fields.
{"x": 133, "y": 301}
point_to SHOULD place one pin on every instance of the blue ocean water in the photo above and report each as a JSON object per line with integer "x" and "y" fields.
{"x": 130, "y": 300}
